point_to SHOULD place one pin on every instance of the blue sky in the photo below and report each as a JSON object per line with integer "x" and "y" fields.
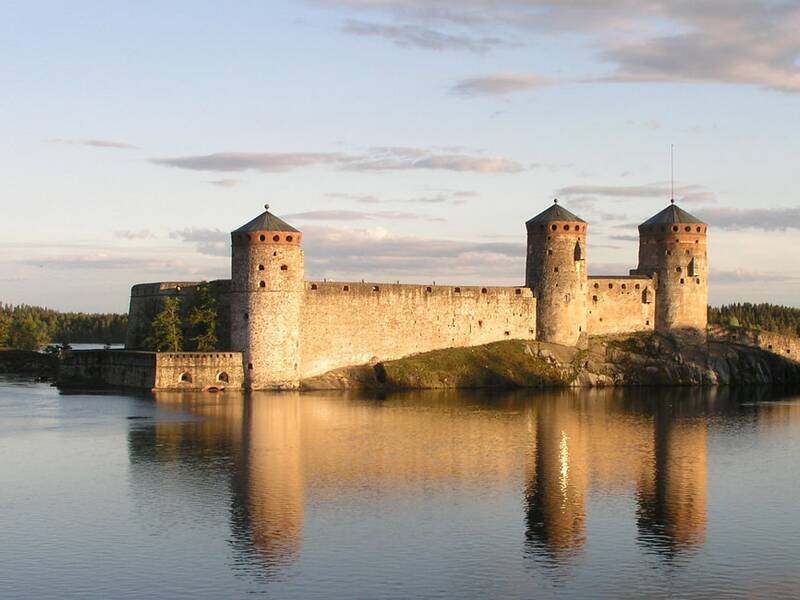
{"x": 408, "y": 140}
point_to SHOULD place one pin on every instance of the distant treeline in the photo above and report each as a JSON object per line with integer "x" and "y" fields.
{"x": 31, "y": 327}
{"x": 769, "y": 317}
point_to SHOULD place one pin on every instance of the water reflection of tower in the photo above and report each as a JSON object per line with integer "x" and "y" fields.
{"x": 672, "y": 489}
{"x": 557, "y": 483}
{"x": 267, "y": 504}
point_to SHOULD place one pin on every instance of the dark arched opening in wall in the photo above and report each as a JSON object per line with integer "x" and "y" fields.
{"x": 578, "y": 251}
{"x": 223, "y": 377}
{"x": 186, "y": 377}
{"x": 692, "y": 271}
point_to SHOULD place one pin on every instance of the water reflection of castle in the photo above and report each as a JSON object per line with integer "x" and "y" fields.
{"x": 661, "y": 454}
{"x": 277, "y": 454}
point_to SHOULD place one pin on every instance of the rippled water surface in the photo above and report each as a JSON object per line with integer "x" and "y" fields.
{"x": 569, "y": 494}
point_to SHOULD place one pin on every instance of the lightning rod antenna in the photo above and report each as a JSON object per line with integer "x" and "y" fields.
{"x": 672, "y": 173}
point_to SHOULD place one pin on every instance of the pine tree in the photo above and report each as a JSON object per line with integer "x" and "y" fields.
{"x": 26, "y": 332}
{"x": 5, "y": 325}
{"x": 203, "y": 319}
{"x": 165, "y": 330}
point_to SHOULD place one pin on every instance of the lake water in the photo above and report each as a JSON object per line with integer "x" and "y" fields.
{"x": 680, "y": 493}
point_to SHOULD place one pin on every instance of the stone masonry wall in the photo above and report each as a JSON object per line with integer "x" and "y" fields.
{"x": 346, "y": 324}
{"x": 108, "y": 367}
{"x": 151, "y": 370}
{"x": 786, "y": 346}
{"x": 621, "y": 305}
{"x": 198, "y": 370}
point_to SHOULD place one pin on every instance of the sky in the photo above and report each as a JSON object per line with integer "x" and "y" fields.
{"x": 409, "y": 140}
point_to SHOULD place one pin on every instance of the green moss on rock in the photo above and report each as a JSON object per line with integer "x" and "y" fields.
{"x": 637, "y": 359}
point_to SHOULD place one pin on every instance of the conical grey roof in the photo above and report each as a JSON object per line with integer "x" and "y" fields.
{"x": 555, "y": 213}
{"x": 266, "y": 221}
{"x": 672, "y": 214}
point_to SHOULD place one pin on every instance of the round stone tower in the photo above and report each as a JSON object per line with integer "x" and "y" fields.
{"x": 266, "y": 295}
{"x": 555, "y": 271}
{"x": 672, "y": 244}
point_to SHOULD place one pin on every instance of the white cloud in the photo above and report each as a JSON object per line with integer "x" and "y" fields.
{"x": 98, "y": 261}
{"x": 751, "y": 42}
{"x": 386, "y": 158}
{"x": 402, "y": 159}
{"x": 745, "y": 276}
{"x": 265, "y": 162}
{"x": 376, "y": 254}
{"x": 127, "y": 234}
{"x": 416, "y": 36}
{"x": 356, "y": 215}
{"x": 456, "y": 198}
{"x": 98, "y": 144}
{"x": 362, "y": 198}
{"x": 214, "y": 242}
{"x": 586, "y": 194}
{"x": 769, "y": 219}
{"x": 226, "y": 183}
{"x": 498, "y": 84}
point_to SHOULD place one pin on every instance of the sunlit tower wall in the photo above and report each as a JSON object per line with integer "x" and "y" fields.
{"x": 555, "y": 271}
{"x": 672, "y": 244}
{"x": 266, "y": 297}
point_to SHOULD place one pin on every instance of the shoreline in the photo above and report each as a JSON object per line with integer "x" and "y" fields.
{"x": 642, "y": 360}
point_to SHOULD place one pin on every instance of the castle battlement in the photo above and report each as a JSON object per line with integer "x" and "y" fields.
{"x": 284, "y": 328}
{"x": 369, "y": 288}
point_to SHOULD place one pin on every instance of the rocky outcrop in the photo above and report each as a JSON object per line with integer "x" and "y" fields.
{"x": 637, "y": 359}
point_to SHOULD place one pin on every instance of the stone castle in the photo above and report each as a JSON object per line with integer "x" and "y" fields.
{"x": 281, "y": 328}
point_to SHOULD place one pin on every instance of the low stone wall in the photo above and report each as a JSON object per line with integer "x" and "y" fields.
{"x": 622, "y": 304}
{"x": 198, "y": 370}
{"x": 28, "y": 362}
{"x": 107, "y": 368}
{"x": 785, "y": 346}
{"x": 151, "y": 370}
